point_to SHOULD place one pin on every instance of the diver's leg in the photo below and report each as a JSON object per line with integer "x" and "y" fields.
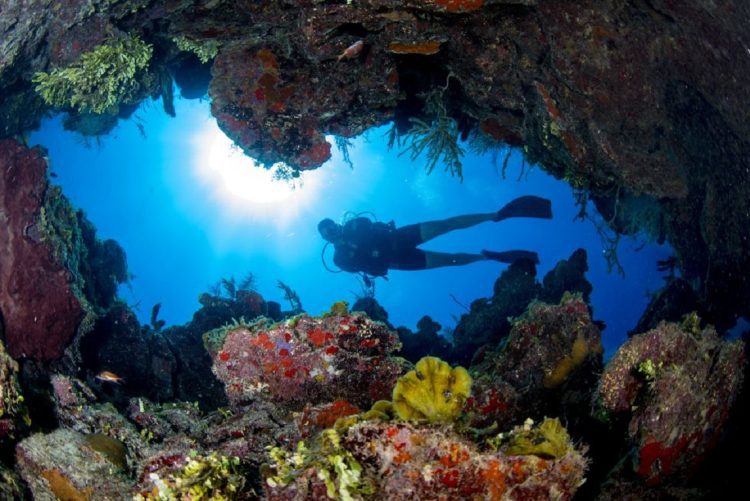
{"x": 431, "y": 229}
{"x": 440, "y": 259}
{"x": 526, "y": 206}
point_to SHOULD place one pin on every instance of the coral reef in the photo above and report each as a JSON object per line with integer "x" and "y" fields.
{"x": 305, "y": 360}
{"x": 675, "y": 300}
{"x": 172, "y": 363}
{"x": 677, "y": 383}
{"x": 373, "y": 309}
{"x": 659, "y": 143}
{"x": 401, "y": 461}
{"x": 56, "y": 277}
{"x": 11, "y": 486}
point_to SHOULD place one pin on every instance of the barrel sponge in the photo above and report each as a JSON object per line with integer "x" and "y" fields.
{"x": 434, "y": 392}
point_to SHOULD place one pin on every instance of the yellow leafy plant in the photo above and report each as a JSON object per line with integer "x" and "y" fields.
{"x": 434, "y": 392}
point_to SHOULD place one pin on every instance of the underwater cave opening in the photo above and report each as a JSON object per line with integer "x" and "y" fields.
{"x": 189, "y": 210}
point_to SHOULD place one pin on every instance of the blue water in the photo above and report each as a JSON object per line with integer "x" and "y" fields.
{"x": 179, "y": 202}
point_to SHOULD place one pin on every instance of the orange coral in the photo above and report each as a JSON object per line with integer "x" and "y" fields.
{"x": 495, "y": 480}
{"x": 63, "y": 488}
{"x": 337, "y": 409}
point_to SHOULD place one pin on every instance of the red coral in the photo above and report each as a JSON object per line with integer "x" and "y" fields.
{"x": 318, "y": 337}
{"x": 455, "y": 6}
{"x": 314, "y": 156}
{"x": 40, "y": 311}
{"x": 655, "y": 459}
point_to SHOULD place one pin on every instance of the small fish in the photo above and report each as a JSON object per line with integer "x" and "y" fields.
{"x": 352, "y": 51}
{"x": 109, "y": 377}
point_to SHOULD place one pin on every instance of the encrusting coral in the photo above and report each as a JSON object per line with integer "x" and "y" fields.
{"x": 434, "y": 391}
{"x": 401, "y": 461}
{"x": 676, "y": 386}
{"x": 306, "y": 360}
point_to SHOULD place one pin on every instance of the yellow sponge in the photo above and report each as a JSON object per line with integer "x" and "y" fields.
{"x": 434, "y": 391}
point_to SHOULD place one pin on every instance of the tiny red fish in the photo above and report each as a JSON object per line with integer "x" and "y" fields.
{"x": 352, "y": 51}
{"x": 109, "y": 377}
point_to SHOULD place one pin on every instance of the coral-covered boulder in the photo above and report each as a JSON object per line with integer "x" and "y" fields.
{"x": 488, "y": 321}
{"x": 546, "y": 367}
{"x": 69, "y": 465}
{"x": 306, "y": 360}
{"x": 677, "y": 384}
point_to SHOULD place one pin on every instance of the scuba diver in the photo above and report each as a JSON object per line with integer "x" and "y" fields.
{"x": 373, "y": 248}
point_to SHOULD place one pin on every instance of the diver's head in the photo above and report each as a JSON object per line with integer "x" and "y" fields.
{"x": 329, "y": 230}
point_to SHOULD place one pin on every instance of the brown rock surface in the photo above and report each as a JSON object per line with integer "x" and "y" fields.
{"x": 40, "y": 312}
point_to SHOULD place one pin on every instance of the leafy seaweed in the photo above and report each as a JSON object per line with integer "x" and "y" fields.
{"x": 99, "y": 80}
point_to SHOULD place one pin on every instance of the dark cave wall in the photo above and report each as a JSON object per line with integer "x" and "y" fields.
{"x": 638, "y": 97}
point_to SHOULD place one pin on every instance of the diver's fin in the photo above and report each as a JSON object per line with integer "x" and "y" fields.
{"x": 511, "y": 256}
{"x": 528, "y": 206}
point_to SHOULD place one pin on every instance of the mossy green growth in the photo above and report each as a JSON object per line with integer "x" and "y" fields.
{"x": 691, "y": 323}
{"x": 213, "y": 340}
{"x": 205, "y": 49}
{"x": 434, "y": 392}
{"x": 332, "y": 463}
{"x": 214, "y": 477}
{"x": 338, "y": 309}
{"x": 11, "y": 401}
{"x": 647, "y": 369}
{"x": 99, "y": 80}
{"x": 549, "y": 440}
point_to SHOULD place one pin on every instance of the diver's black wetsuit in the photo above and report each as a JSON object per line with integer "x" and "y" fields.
{"x": 373, "y": 248}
